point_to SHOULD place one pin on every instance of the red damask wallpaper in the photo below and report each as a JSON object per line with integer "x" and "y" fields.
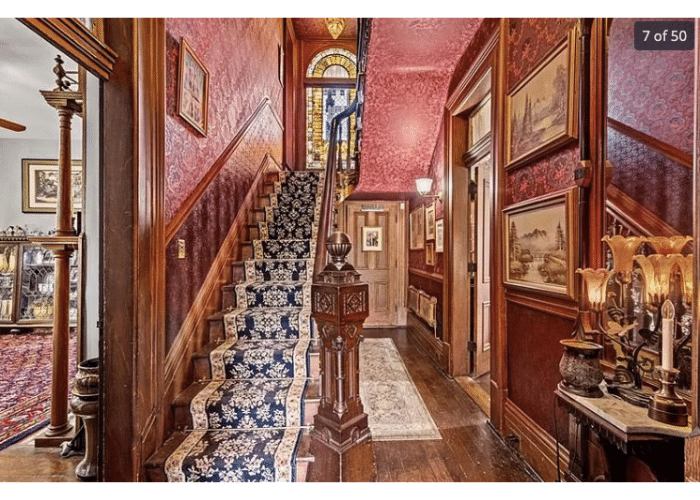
{"x": 241, "y": 57}
{"x": 651, "y": 90}
{"x": 409, "y": 66}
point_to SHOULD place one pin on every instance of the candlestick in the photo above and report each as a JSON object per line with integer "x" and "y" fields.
{"x": 668, "y": 314}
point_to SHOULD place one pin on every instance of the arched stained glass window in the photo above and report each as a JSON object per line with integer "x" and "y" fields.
{"x": 324, "y": 100}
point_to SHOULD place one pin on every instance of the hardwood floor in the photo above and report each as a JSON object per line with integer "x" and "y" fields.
{"x": 469, "y": 449}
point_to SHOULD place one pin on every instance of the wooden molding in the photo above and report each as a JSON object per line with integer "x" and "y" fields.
{"x": 190, "y": 202}
{"x": 550, "y": 305}
{"x": 621, "y": 206}
{"x": 425, "y": 274}
{"x": 669, "y": 151}
{"x": 74, "y": 39}
{"x": 435, "y": 348}
{"x": 477, "y": 68}
{"x": 536, "y": 445}
{"x": 207, "y": 300}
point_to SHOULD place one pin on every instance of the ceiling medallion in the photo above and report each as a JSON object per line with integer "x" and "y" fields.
{"x": 335, "y": 26}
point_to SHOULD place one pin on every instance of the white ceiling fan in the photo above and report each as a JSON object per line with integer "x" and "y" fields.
{"x": 15, "y": 127}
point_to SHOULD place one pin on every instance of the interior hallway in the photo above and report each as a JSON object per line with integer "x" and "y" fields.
{"x": 469, "y": 450}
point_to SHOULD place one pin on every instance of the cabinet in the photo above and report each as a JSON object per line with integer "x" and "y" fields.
{"x": 27, "y": 284}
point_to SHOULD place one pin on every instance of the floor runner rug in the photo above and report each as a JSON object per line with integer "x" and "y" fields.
{"x": 395, "y": 409}
{"x": 25, "y": 383}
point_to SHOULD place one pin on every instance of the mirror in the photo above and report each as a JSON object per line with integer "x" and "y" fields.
{"x": 649, "y": 148}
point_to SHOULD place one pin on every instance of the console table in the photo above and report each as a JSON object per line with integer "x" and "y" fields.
{"x": 624, "y": 431}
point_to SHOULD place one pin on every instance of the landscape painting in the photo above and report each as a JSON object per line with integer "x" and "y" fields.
{"x": 541, "y": 109}
{"x": 539, "y": 246}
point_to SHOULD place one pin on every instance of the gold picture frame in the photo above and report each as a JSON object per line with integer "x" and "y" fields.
{"x": 430, "y": 222}
{"x": 542, "y": 110}
{"x": 40, "y": 185}
{"x": 430, "y": 253}
{"x": 416, "y": 230}
{"x": 193, "y": 89}
{"x": 372, "y": 238}
{"x": 439, "y": 235}
{"x": 541, "y": 248}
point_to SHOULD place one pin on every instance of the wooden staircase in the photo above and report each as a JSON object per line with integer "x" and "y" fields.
{"x": 202, "y": 370}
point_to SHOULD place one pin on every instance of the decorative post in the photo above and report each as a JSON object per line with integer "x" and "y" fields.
{"x": 67, "y": 103}
{"x": 340, "y": 305}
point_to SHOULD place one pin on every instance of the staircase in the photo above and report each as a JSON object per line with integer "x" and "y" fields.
{"x": 247, "y": 416}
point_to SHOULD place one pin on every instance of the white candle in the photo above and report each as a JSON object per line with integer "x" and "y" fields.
{"x": 667, "y": 316}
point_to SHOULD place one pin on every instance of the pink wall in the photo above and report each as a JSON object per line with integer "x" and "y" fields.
{"x": 241, "y": 57}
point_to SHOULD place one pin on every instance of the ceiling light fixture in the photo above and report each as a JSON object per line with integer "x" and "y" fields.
{"x": 335, "y": 26}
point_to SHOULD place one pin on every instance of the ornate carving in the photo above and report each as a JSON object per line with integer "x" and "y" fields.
{"x": 324, "y": 302}
{"x": 355, "y": 303}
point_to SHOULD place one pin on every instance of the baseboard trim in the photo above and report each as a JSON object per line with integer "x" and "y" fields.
{"x": 537, "y": 447}
{"x": 435, "y": 348}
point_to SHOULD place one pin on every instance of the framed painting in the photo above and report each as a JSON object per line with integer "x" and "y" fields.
{"x": 439, "y": 235}
{"x": 430, "y": 253}
{"x": 430, "y": 222}
{"x": 542, "y": 110}
{"x": 193, "y": 89}
{"x": 417, "y": 229}
{"x": 371, "y": 239}
{"x": 540, "y": 243}
{"x": 40, "y": 185}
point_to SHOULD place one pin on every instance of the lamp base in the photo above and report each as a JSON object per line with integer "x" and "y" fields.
{"x": 666, "y": 406}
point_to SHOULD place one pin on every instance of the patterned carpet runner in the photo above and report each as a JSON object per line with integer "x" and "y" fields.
{"x": 249, "y": 419}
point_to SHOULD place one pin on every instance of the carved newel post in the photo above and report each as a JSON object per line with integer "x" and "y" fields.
{"x": 340, "y": 306}
{"x": 62, "y": 244}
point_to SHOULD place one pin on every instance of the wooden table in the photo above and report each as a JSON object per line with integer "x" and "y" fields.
{"x": 624, "y": 431}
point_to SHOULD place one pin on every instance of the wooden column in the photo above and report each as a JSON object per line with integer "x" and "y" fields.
{"x": 340, "y": 305}
{"x": 62, "y": 244}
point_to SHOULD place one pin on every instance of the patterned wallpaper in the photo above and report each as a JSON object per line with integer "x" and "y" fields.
{"x": 651, "y": 90}
{"x": 487, "y": 28}
{"x": 410, "y": 63}
{"x": 241, "y": 57}
{"x": 243, "y": 70}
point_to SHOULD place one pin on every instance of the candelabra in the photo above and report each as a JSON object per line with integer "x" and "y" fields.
{"x": 666, "y": 276}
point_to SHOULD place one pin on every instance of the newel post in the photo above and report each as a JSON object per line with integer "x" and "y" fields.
{"x": 340, "y": 306}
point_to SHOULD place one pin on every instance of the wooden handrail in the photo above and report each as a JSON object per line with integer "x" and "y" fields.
{"x": 671, "y": 152}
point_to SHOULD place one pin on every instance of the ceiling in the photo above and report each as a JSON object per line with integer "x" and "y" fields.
{"x": 409, "y": 66}
{"x": 314, "y": 28}
{"x": 26, "y": 63}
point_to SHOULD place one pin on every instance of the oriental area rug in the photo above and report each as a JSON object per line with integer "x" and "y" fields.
{"x": 25, "y": 383}
{"x": 395, "y": 409}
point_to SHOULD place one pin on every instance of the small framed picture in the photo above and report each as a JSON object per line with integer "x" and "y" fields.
{"x": 439, "y": 235}
{"x": 430, "y": 253}
{"x": 417, "y": 229}
{"x": 193, "y": 89}
{"x": 40, "y": 185}
{"x": 430, "y": 222}
{"x": 371, "y": 239}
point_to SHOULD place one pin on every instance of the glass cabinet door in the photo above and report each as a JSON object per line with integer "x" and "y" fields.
{"x": 8, "y": 271}
{"x": 36, "y": 284}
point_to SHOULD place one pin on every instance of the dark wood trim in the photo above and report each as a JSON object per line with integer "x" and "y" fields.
{"x": 537, "y": 447}
{"x": 132, "y": 253}
{"x": 425, "y": 274}
{"x": 549, "y": 305}
{"x": 630, "y": 212}
{"x": 191, "y": 201}
{"x": 475, "y": 71}
{"x": 477, "y": 151}
{"x": 310, "y": 81}
{"x": 434, "y": 347}
{"x": 669, "y": 151}
{"x": 74, "y": 39}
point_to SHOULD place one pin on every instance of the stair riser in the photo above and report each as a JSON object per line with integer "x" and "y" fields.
{"x": 253, "y": 232}
{"x": 217, "y": 330}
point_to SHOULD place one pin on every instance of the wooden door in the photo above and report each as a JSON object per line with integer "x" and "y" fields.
{"x": 482, "y": 290}
{"x": 377, "y": 235}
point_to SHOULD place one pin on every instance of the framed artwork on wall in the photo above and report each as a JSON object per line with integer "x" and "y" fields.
{"x": 371, "y": 239}
{"x": 439, "y": 235}
{"x": 542, "y": 110}
{"x": 540, "y": 243}
{"x": 417, "y": 229}
{"x": 430, "y": 253}
{"x": 430, "y": 222}
{"x": 193, "y": 89}
{"x": 40, "y": 185}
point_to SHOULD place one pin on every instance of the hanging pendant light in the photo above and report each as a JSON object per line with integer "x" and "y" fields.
{"x": 335, "y": 26}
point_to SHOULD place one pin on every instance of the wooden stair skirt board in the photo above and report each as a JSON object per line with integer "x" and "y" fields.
{"x": 434, "y": 347}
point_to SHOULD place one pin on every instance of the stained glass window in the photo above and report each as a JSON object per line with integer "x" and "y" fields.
{"x": 324, "y": 102}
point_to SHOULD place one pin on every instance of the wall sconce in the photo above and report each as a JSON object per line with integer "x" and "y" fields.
{"x": 424, "y": 185}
